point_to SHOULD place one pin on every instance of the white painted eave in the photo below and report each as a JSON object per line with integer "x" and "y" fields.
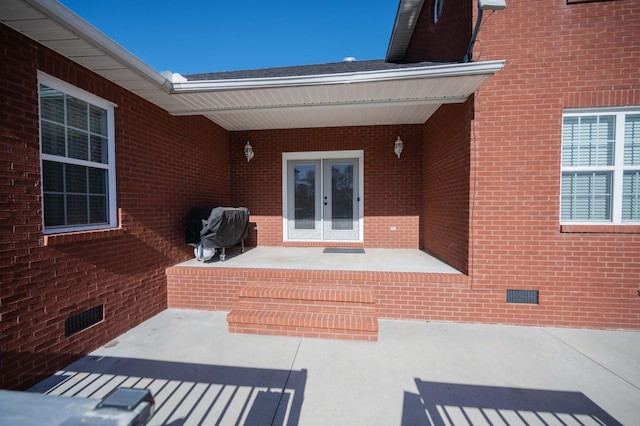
{"x": 86, "y": 31}
{"x": 406, "y": 95}
{"x": 431, "y": 71}
{"x": 403, "y": 26}
{"x": 57, "y": 27}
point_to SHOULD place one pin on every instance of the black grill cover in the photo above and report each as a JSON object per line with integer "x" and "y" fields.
{"x": 225, "y": 227}
{"x": 194, "y": 224}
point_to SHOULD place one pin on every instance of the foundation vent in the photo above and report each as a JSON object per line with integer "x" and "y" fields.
{"x": 522, "y": 296}
{"x": 83, "y": 320}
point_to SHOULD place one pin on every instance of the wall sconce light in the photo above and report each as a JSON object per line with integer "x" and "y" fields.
{"x": 397, "y": 148}
{"x": 248, "y": 151}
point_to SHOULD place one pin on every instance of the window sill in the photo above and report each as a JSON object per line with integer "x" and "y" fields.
{"x": 81, "y": 236}
{"x": 600, "y": 229}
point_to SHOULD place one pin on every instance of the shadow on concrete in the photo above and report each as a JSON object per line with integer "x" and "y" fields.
{"x": 186, "y": 392}
{"x": 452, "y": 404}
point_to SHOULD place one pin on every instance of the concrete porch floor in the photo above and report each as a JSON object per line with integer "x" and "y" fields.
{"x": 418, "y": 373}
{"x": 383, "y": 260}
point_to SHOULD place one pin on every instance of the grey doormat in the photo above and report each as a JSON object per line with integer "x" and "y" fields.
{"x": 338, "y": 250}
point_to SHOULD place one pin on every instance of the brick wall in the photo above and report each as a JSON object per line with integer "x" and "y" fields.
{"x": 445, "y": 218}
{"x": 446, "y": 40}
{"x": 390, "y": 184}
{"x": 558, "y": 56}
{"x": 165, "y": 165}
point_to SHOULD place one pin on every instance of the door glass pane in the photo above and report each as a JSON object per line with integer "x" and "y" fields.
{"x": 342, "y": 196}
{"x": 305, "y": 196}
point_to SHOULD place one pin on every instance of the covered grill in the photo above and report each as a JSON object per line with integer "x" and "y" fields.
{"x": 219, "y": 228}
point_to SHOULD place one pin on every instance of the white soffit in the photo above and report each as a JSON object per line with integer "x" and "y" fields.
{"x": 407, "y": 95}
{"x": 58, "y": 28}
{"x": 403, "y": 96}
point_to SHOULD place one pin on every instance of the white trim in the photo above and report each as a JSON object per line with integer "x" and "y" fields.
{"x": 432, "y": 71}
{"x": 70, "y": 89}
{"x": 617, "y": 169}
{"x": 112, "y": 211}
{"x": 323, "y": 155}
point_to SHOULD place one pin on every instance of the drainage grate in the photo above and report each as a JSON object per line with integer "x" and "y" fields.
{"x": 338, "y": 250}
{"x": 522, "y": 296}
{"x": 83, "y": 320}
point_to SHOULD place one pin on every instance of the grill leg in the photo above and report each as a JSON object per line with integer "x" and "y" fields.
{"x": 223, "y": 255}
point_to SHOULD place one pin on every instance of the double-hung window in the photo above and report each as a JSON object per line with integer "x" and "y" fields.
{"x": 78, "y": 158}
{"x": 601, "y": 167}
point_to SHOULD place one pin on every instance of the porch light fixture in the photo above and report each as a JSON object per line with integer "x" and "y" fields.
{"x": 397, "y": 148}
{"x": 248, "y": 151}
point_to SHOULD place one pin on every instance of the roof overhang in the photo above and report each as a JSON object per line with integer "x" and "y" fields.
{"x": 406, "y": 20}
{"x": 399, "y": 96}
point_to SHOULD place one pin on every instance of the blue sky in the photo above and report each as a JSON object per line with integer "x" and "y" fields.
{"x": 208, "y": 35}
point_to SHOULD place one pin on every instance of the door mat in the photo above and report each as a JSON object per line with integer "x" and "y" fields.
{"x": 338, "y": 250}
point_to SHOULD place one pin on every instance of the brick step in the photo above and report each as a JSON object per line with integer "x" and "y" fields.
{"x": 327, "y": 311}
{"x": 306, "y": 306}
{"x": 332, "y": 293}
{"x": 304, "y": 324}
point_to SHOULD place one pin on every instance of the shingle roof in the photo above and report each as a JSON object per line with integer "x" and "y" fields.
{"x": 307, "y": 70}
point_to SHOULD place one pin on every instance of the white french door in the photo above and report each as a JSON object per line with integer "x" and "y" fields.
{"x": 322, "y": 196}
{"x": 340, "y": 199}
{"x": 303, "y": 197}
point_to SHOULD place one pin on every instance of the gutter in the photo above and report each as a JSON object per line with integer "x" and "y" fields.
{"x": 432, "y": 71}
{"x": 89, "y": 33}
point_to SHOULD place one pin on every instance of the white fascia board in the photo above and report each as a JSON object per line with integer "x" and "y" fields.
{"x": 433, "y": 71}
{"x": 76, "y": 24}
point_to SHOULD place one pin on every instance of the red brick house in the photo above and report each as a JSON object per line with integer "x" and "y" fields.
{"x": 520, "y": 168}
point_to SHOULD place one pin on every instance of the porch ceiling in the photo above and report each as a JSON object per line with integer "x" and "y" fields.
{"x": 403, "y": 95}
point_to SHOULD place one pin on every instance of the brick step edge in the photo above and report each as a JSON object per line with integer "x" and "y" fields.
{"x": 310, "y": 320}
{"x": 306, "y": 306}
{"x": 326, "y": 294}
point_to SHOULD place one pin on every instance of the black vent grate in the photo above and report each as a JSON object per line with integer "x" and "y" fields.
{"x": 83, "y": 320}
{"x": 522, "y": 296}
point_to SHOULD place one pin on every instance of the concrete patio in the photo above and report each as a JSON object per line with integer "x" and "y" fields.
{"x": 319, "y": 258}
{"x": 418, "y": 373}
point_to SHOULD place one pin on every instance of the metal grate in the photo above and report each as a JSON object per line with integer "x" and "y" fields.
{"x": 83, "y": 320}
{"x": 522, "y": 296}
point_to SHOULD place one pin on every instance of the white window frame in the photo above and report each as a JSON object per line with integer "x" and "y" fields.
{"x": 321, "y": 156}
{"x": 617, "y": 169}
{"x": 110, "y": 166}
